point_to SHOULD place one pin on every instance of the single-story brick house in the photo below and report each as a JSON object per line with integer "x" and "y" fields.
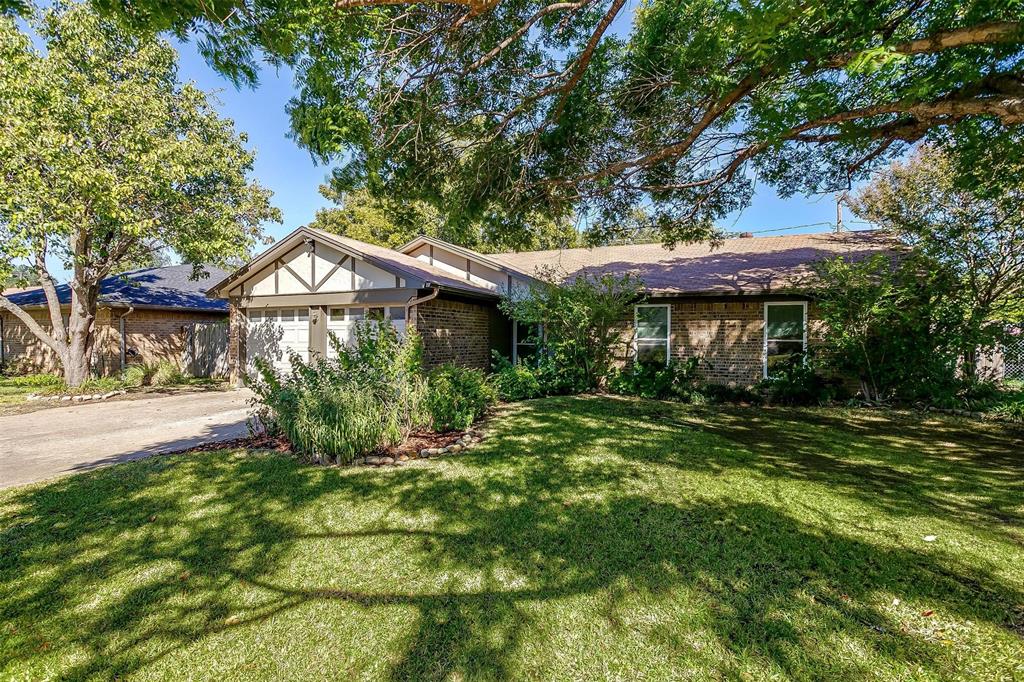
{"x": 143, "y": 316}
{"x": 727, "y": 303}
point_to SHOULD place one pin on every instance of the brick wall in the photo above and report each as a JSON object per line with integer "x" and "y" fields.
{"x": 727, "y": 335}
{"x": 22, "y": 349}
{"x": 455, "y": 331}
{"x": 155, "y": 334}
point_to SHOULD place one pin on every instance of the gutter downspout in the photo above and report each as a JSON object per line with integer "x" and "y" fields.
{"x": 412, "y": 303}
{"x": 120, "y": 325}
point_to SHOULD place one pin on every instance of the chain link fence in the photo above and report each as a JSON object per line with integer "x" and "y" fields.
{"x": 1013, "y": 358}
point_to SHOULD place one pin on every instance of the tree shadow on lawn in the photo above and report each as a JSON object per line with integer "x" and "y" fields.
{"x": 129, "y": 565}
{"x": 900, "y": 463}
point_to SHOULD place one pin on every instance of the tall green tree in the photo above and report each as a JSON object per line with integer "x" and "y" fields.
{"x": 391, "y": 222}
{"x": 106, "y": 158}
{"x": 974, "y": 234}
{"x": 582, "y": 105}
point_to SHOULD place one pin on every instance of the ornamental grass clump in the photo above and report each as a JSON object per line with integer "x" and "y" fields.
{"x": 370, "y": 395}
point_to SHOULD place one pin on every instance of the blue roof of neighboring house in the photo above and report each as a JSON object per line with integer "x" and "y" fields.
{"x": 170, "y": 287}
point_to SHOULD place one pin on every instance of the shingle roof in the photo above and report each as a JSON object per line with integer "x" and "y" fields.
{"x": 170, "y": 287}
{"x": 403, "y": 264}
{"x": 745, "y": 265}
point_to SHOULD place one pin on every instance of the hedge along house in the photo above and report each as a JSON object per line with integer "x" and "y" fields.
{"x": 727, "y": 304}
{"x": 143, "y": 316}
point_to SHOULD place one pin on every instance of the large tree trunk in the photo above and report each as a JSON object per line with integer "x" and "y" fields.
{"x": 77, "y": 360}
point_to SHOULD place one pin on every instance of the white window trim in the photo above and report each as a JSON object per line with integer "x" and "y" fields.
{"x": 668, "y": 333}
{"x": 764, "y": 345}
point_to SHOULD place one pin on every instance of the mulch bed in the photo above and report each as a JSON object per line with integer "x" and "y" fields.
{"x": 278, "y": 444}
{"x": 419, "y": 440}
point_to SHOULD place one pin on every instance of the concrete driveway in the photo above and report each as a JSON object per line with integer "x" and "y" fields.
{"x": 62, "y": 440}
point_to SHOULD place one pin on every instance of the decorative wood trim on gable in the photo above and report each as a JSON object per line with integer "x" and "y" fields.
{"x": 331, "y": 273}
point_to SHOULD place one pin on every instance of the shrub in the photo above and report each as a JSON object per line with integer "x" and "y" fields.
{"x": 513, "y": 382}
{"x": 166, "y": 373}
{"x": 335, "y": 410}
{"x": 135, "y": 375}
{"x": 457, "y": 397}
{"x": 34, "y": 380}
{"x": 582, "y": 323}
{"x": 795, "y": 382}
{"x": 678, "y": 380}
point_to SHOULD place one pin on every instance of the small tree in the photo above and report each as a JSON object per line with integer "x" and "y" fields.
{"x": 891, "y": 323}
{"x": 581, "y": 321}
{"x": 106, "y": 159}
{"x": 975, "y": 235}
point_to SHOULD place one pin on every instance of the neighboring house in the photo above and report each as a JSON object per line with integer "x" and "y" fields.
{"x": 726, "y": 303}
{"x": 143, "y": 316}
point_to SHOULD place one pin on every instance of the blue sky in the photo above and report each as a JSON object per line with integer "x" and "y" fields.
{"x": 294, "y": 178}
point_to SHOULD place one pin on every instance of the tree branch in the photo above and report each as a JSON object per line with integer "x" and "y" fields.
{"x": 586, "y": 56}
{"x": 982, "y": 34}
{"x": 475, "y": 6}
{"x": 52, "y": 300}
{"x": 33, "y": 326}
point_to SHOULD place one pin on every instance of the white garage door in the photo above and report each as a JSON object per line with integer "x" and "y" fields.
{"x": 342, "y": 322}
{"x": 273, "y": 334}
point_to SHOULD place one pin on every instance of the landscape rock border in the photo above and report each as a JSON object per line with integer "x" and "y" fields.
{"x": 77, "y": 398}
{"x": 463, "y": 443}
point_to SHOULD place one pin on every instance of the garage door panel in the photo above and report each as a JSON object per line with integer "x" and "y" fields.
{"x": 273, "y": 334}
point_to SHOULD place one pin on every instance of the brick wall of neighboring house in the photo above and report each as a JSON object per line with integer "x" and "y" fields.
{"x": 23, "y": 351}
{"x": 456, "y": 331}
{"x": 154, "y": 334}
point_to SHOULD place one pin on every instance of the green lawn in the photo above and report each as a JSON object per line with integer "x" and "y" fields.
{"x": 586, "y": 538}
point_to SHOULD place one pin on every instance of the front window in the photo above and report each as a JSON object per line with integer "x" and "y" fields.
{"x": 785, "y": 333}
{"x": 525, "y": 338}
{"x": 653, "y": 329}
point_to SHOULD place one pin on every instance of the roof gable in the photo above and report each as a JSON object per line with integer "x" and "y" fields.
{"x": 416, "y": 273}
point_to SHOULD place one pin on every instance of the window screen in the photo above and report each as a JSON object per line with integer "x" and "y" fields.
{"x": 652, "y": 333}
{"x": 783, "y": 333}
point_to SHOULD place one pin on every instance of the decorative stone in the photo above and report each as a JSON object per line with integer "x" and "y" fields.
{"x": 373, "y": 460}
{"x": 359, "y": 461}
{"x": 387, "y": 460}
{"x": 403, "y": 458}
{"x": 425, "y": 452}
{"x": 455, "y": 448}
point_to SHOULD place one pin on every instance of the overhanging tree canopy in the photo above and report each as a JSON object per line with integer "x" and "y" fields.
{"x": 551, "y": 105}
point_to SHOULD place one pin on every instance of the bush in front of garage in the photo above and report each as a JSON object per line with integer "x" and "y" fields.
{"x": 371, "y": 395}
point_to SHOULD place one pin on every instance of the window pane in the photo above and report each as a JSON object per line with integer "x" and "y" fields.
{"x": 655, "y": 352}
{"x": 525, "y": 352}
{"x": 303, "y": 314}
{"x": 397, "y": 313}
{"x": 526, "y": 333}
{"x": 337, "y": 314}
{"x": 781, "y": 351}
{"x": 355, "y": 313}
{"x": 786, "y": 322}
{"x": 287, "y": 315}
{"x": 652, "y": 322}
{"x": 255, "y": 315}
{"x": 375, "y": 314}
